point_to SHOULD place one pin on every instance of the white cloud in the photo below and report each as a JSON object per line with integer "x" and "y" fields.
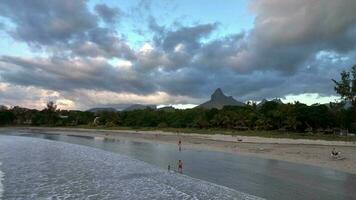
{"x": 179, "y": 106}
{"x": 310, "y": 98}
{"x": 146, "y": 48}
{"x": 121, "y": 63}
{"x": 31, "y": 97}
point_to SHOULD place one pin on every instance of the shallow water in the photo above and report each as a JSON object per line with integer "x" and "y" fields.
{"x": 1, "y": 179}
{"x": 266, "y": 178}
{"x": 43, "y": 169}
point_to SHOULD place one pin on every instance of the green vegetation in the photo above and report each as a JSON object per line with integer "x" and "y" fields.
{"x": 346, "y": 88}
{"x": 271, "y": 119}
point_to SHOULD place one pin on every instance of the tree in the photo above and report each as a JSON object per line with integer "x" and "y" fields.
{"x": 6, "y": 117}
{"x": 50, "y": 114}
{"x": 346, "y": 87}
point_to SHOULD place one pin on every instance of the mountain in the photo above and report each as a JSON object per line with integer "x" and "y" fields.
{"x": 279, "y": 101}
{"x": 140, "y": 107}
{"x": 96, "y": 110}
{"x": 219, "y": 100}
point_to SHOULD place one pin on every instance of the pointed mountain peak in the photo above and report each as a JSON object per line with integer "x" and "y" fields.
{"x": 217, "y": 94}
{"x": 219, "y": 100}
{"x": 218, "y": 90}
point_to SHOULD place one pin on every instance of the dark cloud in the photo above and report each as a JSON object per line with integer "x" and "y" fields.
{"x": 64, "y": 74}
{"x": 287, "y": 33}
{"x": 102, "y": 42}
{"x": 49, "y": 22}
{"x": 173, "y": 49}
{"x": 190, "y": 37}
{"x": 66, "y": 26}
{"x": 108, "y": 14}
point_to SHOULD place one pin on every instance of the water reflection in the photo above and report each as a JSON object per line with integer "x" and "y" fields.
{"x": 82, "y": 136}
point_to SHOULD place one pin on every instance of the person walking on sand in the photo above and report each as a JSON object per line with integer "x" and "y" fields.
{"x": 180, "y": 166}
{"x": 180, "y": 144}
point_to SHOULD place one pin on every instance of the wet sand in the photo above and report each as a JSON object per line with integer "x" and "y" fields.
{"x": 311, "y": 152}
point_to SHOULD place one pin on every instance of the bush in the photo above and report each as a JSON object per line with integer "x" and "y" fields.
{"x": 109, "y": 124}
{"x": 353, "y": 127}
{"x": 162, "y": 125}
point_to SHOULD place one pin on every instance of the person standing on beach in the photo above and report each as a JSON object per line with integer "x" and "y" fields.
{"x": 180, "y": 144}
{"x": 180, "y": 166}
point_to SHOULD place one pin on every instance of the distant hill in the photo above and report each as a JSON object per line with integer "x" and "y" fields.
{"x": 219, "y": 100}
{"x": 140, "y": 107}
{"x": 96, "y": 110}
{"x": 279, "y": 101}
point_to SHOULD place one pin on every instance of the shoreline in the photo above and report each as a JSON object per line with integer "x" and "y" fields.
{"x": 301, "y": 151}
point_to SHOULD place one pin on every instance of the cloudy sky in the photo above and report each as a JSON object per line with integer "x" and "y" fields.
{"x": 84, "y": 54}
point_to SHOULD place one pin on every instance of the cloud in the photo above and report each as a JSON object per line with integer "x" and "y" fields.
{"x": 32, "y": 97}
{"x": 288, "y": 33}
{"x": 108, "y": 14}
{"x": 68, "y": 74}
{"x": 294, "y": 47}
{"x": 50, "y": 22}
{"x": 190, "y": 37}
{"x": 35, "y": 97}
{"x": 102, "y": 42}
{"x": 65, "y": 27}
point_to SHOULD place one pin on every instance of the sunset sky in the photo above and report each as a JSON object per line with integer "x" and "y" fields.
{"x": 83, "y": 54}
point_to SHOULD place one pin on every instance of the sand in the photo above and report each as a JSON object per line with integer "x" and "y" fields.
{"x": 303, "y": 151}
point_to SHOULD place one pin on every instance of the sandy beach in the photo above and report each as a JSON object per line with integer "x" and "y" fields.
{"x": 311, "y": 152}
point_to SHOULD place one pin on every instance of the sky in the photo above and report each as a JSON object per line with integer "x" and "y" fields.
{"x": 112, "y": 53}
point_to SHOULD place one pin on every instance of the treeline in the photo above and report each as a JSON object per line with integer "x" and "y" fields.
{"x": 271, "y": 115}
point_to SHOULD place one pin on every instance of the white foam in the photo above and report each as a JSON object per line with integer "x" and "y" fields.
{"x": 1, "y": 179}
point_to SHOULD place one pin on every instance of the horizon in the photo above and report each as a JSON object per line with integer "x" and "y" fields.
{"x": 121, "y": 107}
{"x": 86, "y": 54}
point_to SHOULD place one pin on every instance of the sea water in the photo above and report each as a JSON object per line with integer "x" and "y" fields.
{"x": 43, "y": 169}
{"x": 1, "y": 179}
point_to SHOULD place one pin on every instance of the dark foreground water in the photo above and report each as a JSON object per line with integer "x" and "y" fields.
{"x": 265, "y": 178}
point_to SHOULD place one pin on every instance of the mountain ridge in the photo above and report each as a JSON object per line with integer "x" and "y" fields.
{"x": 140, "y": 107}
